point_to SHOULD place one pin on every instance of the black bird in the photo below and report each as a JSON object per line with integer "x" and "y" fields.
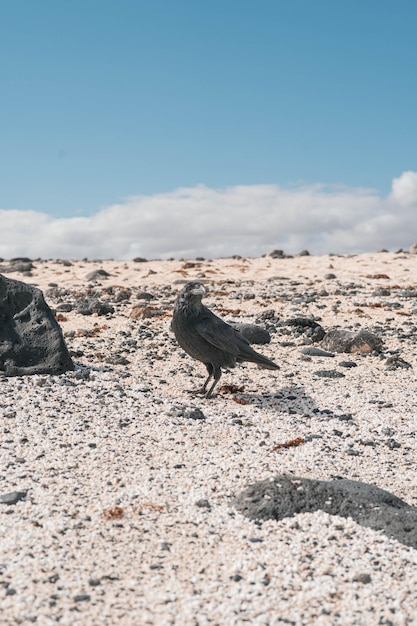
{"x": 207, "y": 338}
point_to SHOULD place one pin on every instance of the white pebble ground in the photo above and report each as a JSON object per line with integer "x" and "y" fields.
{"x": 127, "y": 519}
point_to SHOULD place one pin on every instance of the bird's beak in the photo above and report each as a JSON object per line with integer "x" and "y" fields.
{"x": 199, "y": 291}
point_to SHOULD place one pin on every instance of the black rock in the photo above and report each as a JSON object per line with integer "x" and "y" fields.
{"x": 10, "y": 591}
{"x": 363, "y": 342}
{"x": 255, "y": 334}
{"x": 395, "y": 362}
{"x": 306, "y": 326}
{"x": 31, "y": 340}
{"x": 13, "y": 497}
{"x": 277, "y": 254}
{"x": 82, "y": 597}
{"x": 285, "y": 496}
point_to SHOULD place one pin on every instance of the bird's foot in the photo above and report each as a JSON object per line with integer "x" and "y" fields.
{"x": 197, "y": 392}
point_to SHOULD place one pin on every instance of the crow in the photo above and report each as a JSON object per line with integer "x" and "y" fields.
{"x": 207, "y": 338}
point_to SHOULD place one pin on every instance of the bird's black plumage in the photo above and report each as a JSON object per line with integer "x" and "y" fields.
{"x": 207, "y": 338}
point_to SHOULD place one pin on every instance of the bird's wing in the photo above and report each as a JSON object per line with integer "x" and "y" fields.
{"x": 220, "y": 334}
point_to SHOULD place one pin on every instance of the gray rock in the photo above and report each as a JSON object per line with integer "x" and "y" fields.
{"x": 31, "y": 340}
{"x": 97, "y": 275}
{"x": 329, "y": 374}
{"x": 312, "y": 351}
{"x": 190, "y": 412}
{"x": 64, "y": 307}
{"x": 381, "y": 291}
{"x": 101, "y": 308}
{"x": 413, "y": 249}
{"x": 98, "y": 307}
{"x": 194, "y": 413}
{"x": 363, "y": 342}
{"x": 144, "y": 295}
{"x": 203, "y": 504}
{"x": 21, "y": 266}
{"x": 254, "y": 334}
{"x": 285, "y": 496}
{"x": 363, "y": 578}
{"x": 18, "y": 264}
{"x": 13, "y": 497}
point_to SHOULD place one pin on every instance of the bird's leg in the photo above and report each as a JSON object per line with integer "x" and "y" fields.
{"x": 210, "y": 374}
{"x": 216, "y": 374}
{"x": 204, "y": 387}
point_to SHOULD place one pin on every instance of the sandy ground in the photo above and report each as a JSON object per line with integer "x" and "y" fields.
{"x": 128, "y": 519}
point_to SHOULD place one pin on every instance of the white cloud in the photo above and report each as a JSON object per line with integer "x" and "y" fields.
{"x": 404, "y": 189}
{"x": 247, "y": 220}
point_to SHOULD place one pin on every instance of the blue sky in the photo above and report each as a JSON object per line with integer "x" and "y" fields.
{"x": 103, "y": 101}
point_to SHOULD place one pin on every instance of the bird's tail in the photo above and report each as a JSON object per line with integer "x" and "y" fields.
{"x": 254, "y": 357}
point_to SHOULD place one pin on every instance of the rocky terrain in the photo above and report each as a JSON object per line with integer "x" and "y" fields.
{"x": 119, "y": 487}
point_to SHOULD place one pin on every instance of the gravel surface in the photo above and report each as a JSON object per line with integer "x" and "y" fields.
{"x": 117, "y": 484}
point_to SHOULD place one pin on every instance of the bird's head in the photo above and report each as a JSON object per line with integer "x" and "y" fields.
{"x": 191, "y": 294}
{"x": 194, "y": 290}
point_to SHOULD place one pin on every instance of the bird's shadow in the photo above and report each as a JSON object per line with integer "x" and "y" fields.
{"x": 292, "y": 399}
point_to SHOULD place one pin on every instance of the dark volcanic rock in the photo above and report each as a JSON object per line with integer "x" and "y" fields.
{"x": 396, "y": 362}
{"x": 362, "y": 342}
{"x": 306, "y": 326}
{"x": 277, "y": 254}
{"x": 254, "y": 334}
{"x": 285, "y": 496}
{"x": 31, "y": 341}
